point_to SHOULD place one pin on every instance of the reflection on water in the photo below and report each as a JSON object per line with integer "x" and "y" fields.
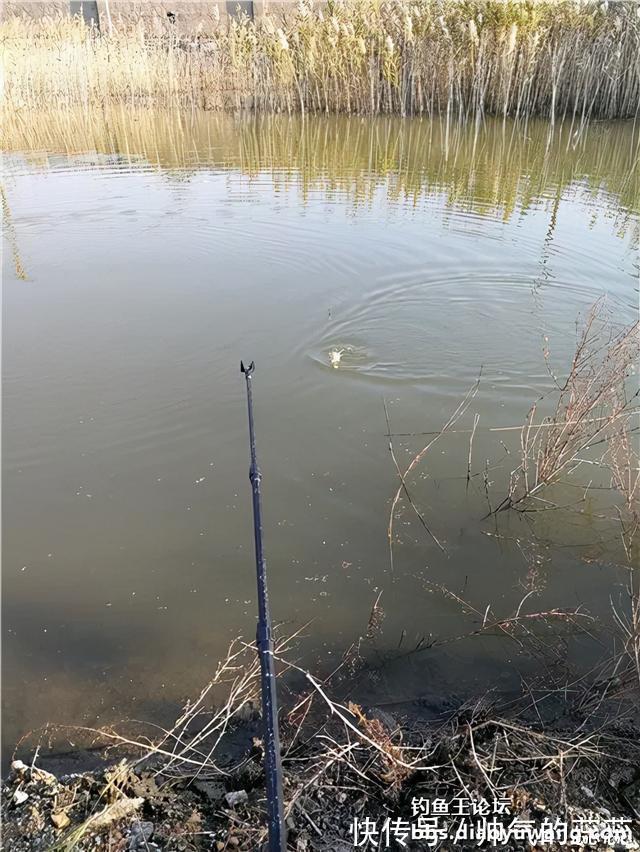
{"x": 158, "y": 251}
{"x": 497, "y": 166}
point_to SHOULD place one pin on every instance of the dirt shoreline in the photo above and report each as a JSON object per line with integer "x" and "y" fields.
{"x": 582, "y": 770}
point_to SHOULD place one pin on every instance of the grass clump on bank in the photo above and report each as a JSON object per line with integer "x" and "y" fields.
{"x": 556, "y": 59}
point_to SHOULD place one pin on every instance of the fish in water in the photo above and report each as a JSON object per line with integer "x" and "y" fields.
{"x": 335, "y": 355}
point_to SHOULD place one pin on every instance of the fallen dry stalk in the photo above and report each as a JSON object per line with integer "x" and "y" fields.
{"x": 518, "y": 626}
{"x": 404, "y": 488}
{"x": 629, "y": 626}
{"x": 417, "y": 459}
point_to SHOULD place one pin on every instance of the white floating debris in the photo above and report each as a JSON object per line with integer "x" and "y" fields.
{"x": 335, "y": 356}
{"x": 20, "y": 797}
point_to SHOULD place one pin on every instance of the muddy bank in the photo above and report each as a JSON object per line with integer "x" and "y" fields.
{"x": 349, "y": 770}
{"x": 553, "y": 764}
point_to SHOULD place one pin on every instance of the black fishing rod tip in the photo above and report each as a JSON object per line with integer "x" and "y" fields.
{"x": 247, "y": 370}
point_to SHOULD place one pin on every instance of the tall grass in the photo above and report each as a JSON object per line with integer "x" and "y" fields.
{"x": 556, "y": 58}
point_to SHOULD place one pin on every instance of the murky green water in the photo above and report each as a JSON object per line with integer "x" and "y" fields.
{"x": 158, "y": 253}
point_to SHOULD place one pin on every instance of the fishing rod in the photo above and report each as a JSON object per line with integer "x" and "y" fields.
{"x": 264, "y": 641}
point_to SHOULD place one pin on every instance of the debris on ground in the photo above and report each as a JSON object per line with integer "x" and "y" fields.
{"x": 541, "y": 777}
{"x": 479, "y": 774}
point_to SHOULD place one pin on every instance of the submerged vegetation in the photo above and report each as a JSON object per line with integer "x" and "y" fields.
{"x": 557, "y": 59}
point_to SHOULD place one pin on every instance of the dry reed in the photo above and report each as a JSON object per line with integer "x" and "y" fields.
{"x": 558, "y": 59}
{"x": 592, "y": 408}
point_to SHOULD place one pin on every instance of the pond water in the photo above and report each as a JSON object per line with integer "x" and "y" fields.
{"x": 146, "y": 254}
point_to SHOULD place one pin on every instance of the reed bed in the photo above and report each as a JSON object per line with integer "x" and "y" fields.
{"x": 562, "y": 60}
